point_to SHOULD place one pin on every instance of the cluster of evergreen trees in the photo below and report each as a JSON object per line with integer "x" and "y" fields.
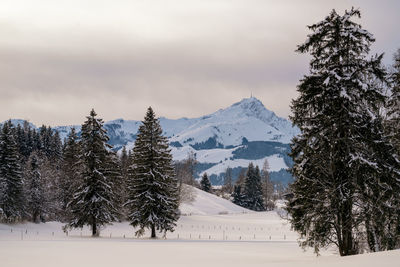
{"x": 346, "y": 159}
{"x": 83, "y": 182}
{"x": 253, "y": 189}
{"x": 250, "y": 191}
{"x": 29, "y": 173}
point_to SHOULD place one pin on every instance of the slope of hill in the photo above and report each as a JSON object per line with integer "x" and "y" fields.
{"x": 208, "y": 204}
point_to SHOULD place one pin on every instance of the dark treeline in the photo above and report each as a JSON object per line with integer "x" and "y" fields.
{"x": 30, "y": 168}
{"x": 82, "y": 181}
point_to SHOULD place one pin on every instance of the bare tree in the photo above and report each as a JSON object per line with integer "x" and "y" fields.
{"x": 185, "y": 171}
{"x": 228, "y": 187}
{"x": 267, "y": 186}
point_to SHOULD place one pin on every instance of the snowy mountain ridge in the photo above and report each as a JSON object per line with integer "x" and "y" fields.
{"x": 231, "y": 137}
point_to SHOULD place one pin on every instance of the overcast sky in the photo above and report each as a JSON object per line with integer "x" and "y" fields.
{"x": 60, "y": 58}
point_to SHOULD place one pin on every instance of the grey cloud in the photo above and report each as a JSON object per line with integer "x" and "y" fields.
{"x": 193, "y": 64}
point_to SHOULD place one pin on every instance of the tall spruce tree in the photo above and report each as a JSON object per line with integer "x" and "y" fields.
{"x": 114, "y": 171}
{"x": 253, "y": 197}
{"x": 124, "y": 162}
{"x": 338, "y": 164}
{"x": 393, "y": 121}
{"x": 237, "y": 195}
{"x": 35, "y": 190}
{"x": 12, "y": 202}
{"x": 205, "y": 183}
{"x": 93, "y": 203}
{"x": 71, "y": 172}
{"x": 153, "y": 194}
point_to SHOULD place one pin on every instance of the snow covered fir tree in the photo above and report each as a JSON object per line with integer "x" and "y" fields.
{"x": 252, "y": 191}
{"x": 71, "y": 170}
{"x": 93, "y": 203}
{"x": 393, "y": 105}
{"x": 205, "y": 183}
{"x": 35, "y": 190}
{"x": 249, "y": 192}
{"x": 153, "y": 195}
{"x": 346, "y": 188}
{"x": 12, "y": 202}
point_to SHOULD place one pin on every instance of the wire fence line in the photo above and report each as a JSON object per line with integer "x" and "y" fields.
{"x": 182, "y": 232}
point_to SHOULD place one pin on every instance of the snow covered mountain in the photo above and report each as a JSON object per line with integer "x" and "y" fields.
{"x": 232, "y": 137}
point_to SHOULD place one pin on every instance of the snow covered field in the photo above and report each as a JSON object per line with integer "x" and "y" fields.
{"x": 237, "y": 237}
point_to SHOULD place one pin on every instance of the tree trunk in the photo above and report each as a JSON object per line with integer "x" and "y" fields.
{"x": 348, "y": 246}
{"x": 94, "y": 228}
{"x": 35, "y": 217}
{"x": 153, "y": 231}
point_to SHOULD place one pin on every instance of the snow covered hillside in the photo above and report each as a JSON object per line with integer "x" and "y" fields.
{"x": 208, "y": 204}
{"x": 232, "y": 137}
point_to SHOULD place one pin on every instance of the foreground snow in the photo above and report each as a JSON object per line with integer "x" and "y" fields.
{"x": 220, "y": 234}
{"x": 251, "y": 239}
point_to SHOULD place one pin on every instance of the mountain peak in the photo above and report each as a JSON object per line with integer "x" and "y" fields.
{"x": 249, "y": 101}
{"x": 253, "y": 107}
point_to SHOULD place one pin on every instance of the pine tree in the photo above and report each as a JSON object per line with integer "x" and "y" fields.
{"x": 205, "y": 183}
{"x": 124, "y": 163}
{"x": 55, "y": 146}
{"x": 393, "y": 121}
{"x": 337, "y": 163}
{"x": 35, "y": 191}
{"x": 12, "y": 202}
{"x": 93, "y": 202}
{"x": 71, "y": 172}
{"x": 22, "y": 143}
{"x": 252, "y": 194}
{"x": 114, "y": 172}
{"x": 153, "y": 188}
{"x": 237, "y": 195}
{"x": 51, "y": 176}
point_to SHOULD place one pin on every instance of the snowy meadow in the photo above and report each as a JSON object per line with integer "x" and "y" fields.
{"x": 218, "y": 233}
{"x": 250, "y": 239}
